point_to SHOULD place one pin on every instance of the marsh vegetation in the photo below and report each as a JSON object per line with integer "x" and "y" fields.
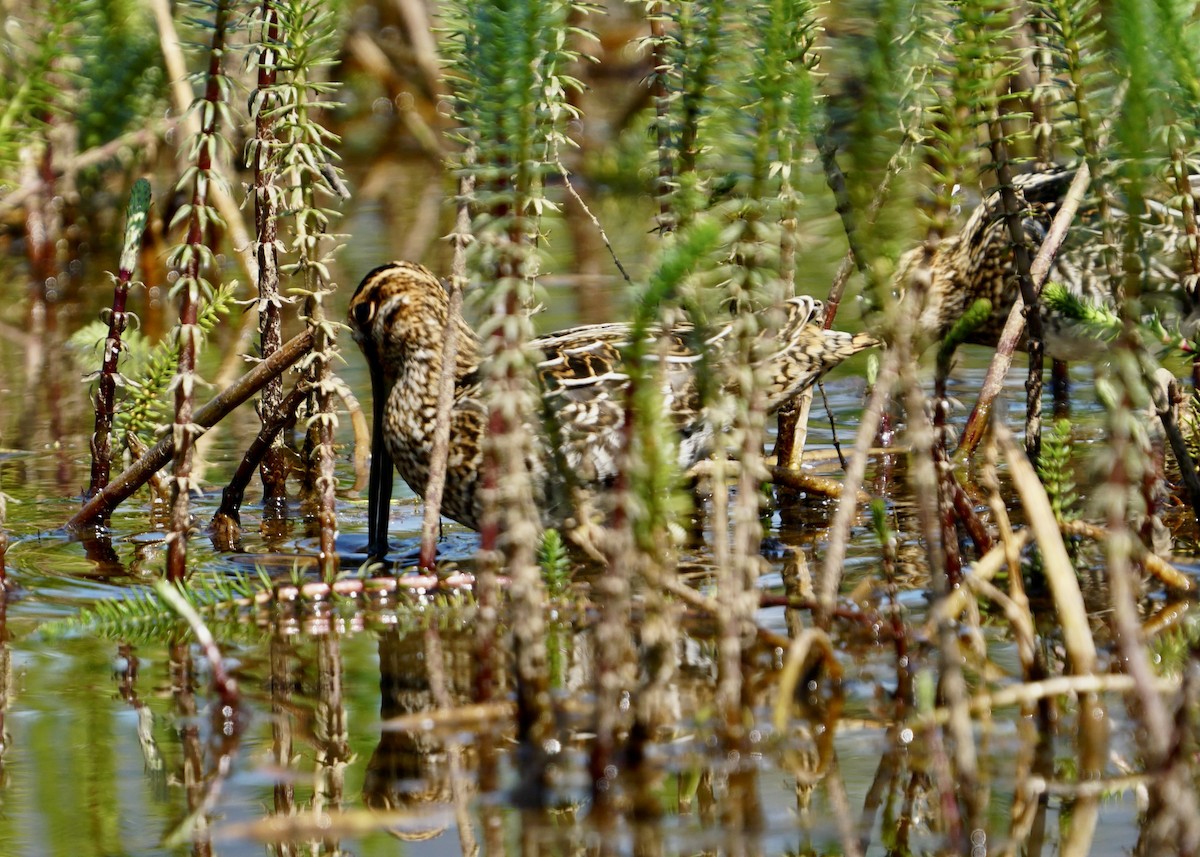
{"x": 907, "y": 613}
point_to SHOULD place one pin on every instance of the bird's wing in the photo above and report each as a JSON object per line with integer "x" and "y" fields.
{"x": 584, "y": 381}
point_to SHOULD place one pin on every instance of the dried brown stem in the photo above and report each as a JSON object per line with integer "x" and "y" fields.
{"x": 1039, "y": 269}
{"x": 464, "y": 718}
{"x": 205, "y": 418}
{"x": 1027, "y": 692}
{"x": 957, "y": 770}
{"x": 1156, "y": 565}
{"x": 421, "y": 31}
{"x": 1035, "y": 341}
{"x": 792, "y": 433}
{"x": 839, "y": 530}
{"x": 792, "y": 422}
{"x": 227, "y": 518}
{"x": 798, "y": 652}
{"x": 436, "y": 484}
{"x": 798, "y": 480}
{"x": 185, "y": 432}
{"x": 852, "y": 261}
{"x": 1064, "y": 585}
{"x": 362, "y": 437}
{"x": 843, "y": 815}
{"x": 1172, "y": 814}
{"x": 709, "y": 607}
{"x": 1166, "y": 396}
{"x": 964, "y": 513}
{"x": 366, "y": 52}
{"x": 274, "y": 464}
{"x": 587, "y": 212}
{"x": 158, "y": 486}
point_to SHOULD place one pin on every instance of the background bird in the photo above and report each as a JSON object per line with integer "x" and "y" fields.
{"x": 978, "y": 262}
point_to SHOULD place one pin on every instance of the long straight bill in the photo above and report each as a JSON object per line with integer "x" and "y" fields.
{"x": 379, "y": 488}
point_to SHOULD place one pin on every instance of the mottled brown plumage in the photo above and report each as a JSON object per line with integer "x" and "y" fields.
{"x": 977, "y": 262}
{"x": 398, "y": 316}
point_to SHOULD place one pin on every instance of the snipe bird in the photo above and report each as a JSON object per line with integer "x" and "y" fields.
{"x": 978, "y": 262}
{"x": 398, "y": 317}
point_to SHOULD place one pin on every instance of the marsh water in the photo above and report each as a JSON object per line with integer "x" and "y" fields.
{"x": 118, "y": 744}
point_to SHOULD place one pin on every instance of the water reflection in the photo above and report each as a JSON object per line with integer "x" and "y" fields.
{"x": 356, "y": 738}
{"x": 330, "y": 734}
{"x": 280, "y": 689}
{"x": 423, "y": 770}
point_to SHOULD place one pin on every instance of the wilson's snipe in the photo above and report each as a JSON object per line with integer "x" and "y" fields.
{"x": 977, "y": 262}
{"x": 398, "y": 316}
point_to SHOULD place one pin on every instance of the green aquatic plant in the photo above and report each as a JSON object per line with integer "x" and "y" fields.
{"x": 1055, "y": 469}
{"x": 656, "y": 502}
{"x": 195, "y": 261}
{"x": 686, "y": 41}
{"x": 970, "y": 321}
{"x": 266, "y": 192}
{"x": 245, "y": 606}
{"x": 304, "y": 164}
{"x": 122, "y": 82}
{"x": 555, "y": 563}
{"x": 649, "y": 507}
{"x": 152, "y": 368}
{"x": 1071, "y": 36}
{"x": 973, "y": 60}
{"x": 507, "y": 70}
{"x": 109, "y": 376}
{"x": 879, "y": 523}
{"x": 147, "y": 368}
{"x": 33, "y": 70}
{"x": 1100, "y": 320}
{"x": 141, "y": 615}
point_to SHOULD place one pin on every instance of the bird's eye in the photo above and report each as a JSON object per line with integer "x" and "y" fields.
{"x": 363, "y": 313}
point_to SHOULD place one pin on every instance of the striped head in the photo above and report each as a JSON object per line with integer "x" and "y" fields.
{"x": 399, "y": 313}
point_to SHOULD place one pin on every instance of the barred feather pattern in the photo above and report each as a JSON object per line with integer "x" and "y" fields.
{"x": 398, "y": 317}
{"x": 977, "y": 262}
